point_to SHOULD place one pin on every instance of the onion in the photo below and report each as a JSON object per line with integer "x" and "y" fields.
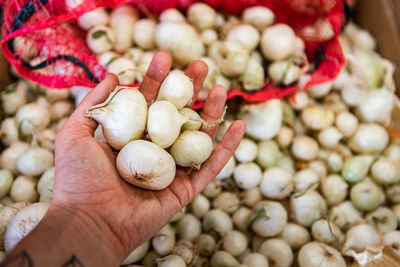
{"x": 143, "y": 65}
{"x": 369, "y": 138}
{"x": 254, "y": 76}
{"x": 13, "y": 97}
{"x": 122, "y": 116}
{"x": 45, "y": 185}
{"x": 278, "y": 42}
{"x": 122, "y": 21}
{"x": 143, "y": 33}
{"x": 137, "y": 254}
{"x": 277, "y": 183}
{"x": 222, "y": 258}
{"x": 227, "y": 202}
{"x": 134, "y": 54}
{"x": 100, "y": 39}
{"x": 205, "y": 244}
{"x": 377, "y": 106}
{"x": 209, "y": 36}
{"x": 345, "y": 215}
{"x": 285, "y": 137}
{"x": 247, "y": 175}
{"x": 9, "y": 156}
{"x": 334, "y": 189}
{"x": 9, "y": 131}
{"x": 317, "y": 117}
{"x": 163, "y": 244}
{"x": 191, "y": 148}
{"x": 359, "y": 237}
{"x": 177, "y": 88}
{"x": 246, "y": 34}
{"x": 319, "y": 167}
{"x": 295, "y": 235}
{"x": 6, "y": 180}
{"x": 396, "y": 211}
{"x": 231, "y": 57}
{"x": 329, "y": 137}
{"x": 353, "y": 94}
{"x": 171, "y": 15}
{"x": 308, "y": 207}
{"x": 228, "y": 169}
{"x": 24, "y": 189}
{"x": 299, "y": 100}
{"x": 393, "y": 152}
{"x": 251, "y": 196}
{"x": 213, "y": 189}
{"x": 259, "y": 16}
{"x": 32, "y": 117}
{"x": 392, "y": 239}
{"x": 146, "y": 165}
{"x": 255, "y": 260}
{"x": 284, "y": 71}
{"x": 382, "y": 219}
{"x": 393, "y": 193}
{"x": 23, "y": 223}
{"x": 218, "y": 221}
{"x": 356, "y": 168}
{"x": 305, "y": 148}
{"x": 263, "y": 120}
{"x": 319, "y": 254}
{"x": 181, "y": 40}
{"x": 306, "y": 179}
{"x": 189, "y": 227}
{"x": 327, "y": 232}
{"x": 268, "y": 153}
{"x": 185, "y": 250}
{"x": 124, "y": 68}
{"x": 171, "y": 261}
{"x": 35, "y": 161}
{"x": 200, "y": 205}
{"x": 150, "y": 259}
{"x": 241, "y": 218}
{"x": 334, "y": 162}
{"x": 235, "y": 243}
{"x": 385, "y": 171}
{"x": 365, "y": 196}
{"x": 93, "y": 18}
{"x": 201, "y": 15}
{"x": 278, "y": 252}
{"x": 268, "y": 219}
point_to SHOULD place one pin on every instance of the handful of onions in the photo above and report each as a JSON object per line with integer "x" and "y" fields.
{"x": 124, "y": 117}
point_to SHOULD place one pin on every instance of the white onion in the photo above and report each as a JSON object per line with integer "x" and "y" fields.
{"x": 320, "y": 90}
{"x": 143, "y": 33}
{"x": 122, "y": 21}
{"x": 9, "y": 131}
{"x": 255, "y": 260}
{"x": 278, "y": 252}
{"x": 181, "y": 40}
{"x": 100, "y": 39}
{"x": 299, "y": 100}
{"x": 124, "y": 68}
{"x": 209, "y": 36}
{"x": 259, "y": 16}
{"x": 356, "y": 168}
{"x": 278, "y": 42}
{"x": 269, "y": 218}
{"x": 285, "y": 137}
{"x": 232, "y": 57}
{"x": 377, "y": 106}
{"x": 9, "y": 156}
{"x": 308, "y": 207}
{"x": 347, "y": 123}
{"x": 327, "y": 232}
{"x": 6, "y": 180}
{"x": 93, "y": 18}
{"x": 227, "y": 202}
{"x": 222, "y": 258}
{"x": 200, "y": 205}
{"x": 334, "y": 189}
{"x": 228, "y": 169}
{"x": 319, "y": 254}
{"x": 263, "y": 120}
{"x": 277, "y": 183}
{"x": 306, "y": 179}
{"x": 385, "y": 171}
{"x": 171, "y": 15}
{"x": 191, "y": 149}
{"x": 235, "y": 243}
{"x": 201, "y": 15}
{"x": 305, "y": 148}
{"x": 382, "y": 219}
{"x": 32, "y": 117}
{"x": 177, "y": 88}
{"x": 329, "y": 137}
{"x": 295, "y": 235}
{"x": 369, "y": 138}
{"x": 392, "y": 239}
{"x": 317, "y": 117}
{"x": 35, "y": 161}
{"x": 247, "y": 175}
{"x": 268, "y": 153}
{"x": 24, "y": 189}
{"x": 137, "y": 254}
{"x": 146, "y": 165}
{"x": 345, "y": 215}
{"x": 218, "y": 221}
{"x": 246, "y": 34}
{"x": 23, "y": 223}
{"x": 13, "y": 97}
{"x": 359, "y": 237}
{"x": 241, "y": 218}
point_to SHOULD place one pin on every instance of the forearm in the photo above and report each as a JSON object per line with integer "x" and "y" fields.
{"x": 67, "y": 237}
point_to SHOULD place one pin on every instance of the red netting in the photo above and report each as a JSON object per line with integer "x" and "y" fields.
{"x": 50, "y": 32}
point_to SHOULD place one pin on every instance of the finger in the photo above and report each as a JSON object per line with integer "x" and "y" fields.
{"x": 213, "y": 108}
{"x": 155, "y": 75}
{"x": 94, "y": 97}
{"x": 197, "y": 71}
{"x": 220, "y": 156}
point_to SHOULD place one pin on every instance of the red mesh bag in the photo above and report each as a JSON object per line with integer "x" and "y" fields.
{"x": 50, "y": 32}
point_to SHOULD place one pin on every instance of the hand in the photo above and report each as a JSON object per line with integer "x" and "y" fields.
{"x": 87, "y": 182}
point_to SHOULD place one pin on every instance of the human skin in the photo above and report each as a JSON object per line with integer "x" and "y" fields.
{"x": 95, "y": 217}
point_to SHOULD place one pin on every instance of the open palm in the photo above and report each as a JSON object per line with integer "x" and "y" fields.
{"x": 87, "y": 181}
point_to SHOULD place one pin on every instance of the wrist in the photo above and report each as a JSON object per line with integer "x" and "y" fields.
{"x": 68, "y": 234}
